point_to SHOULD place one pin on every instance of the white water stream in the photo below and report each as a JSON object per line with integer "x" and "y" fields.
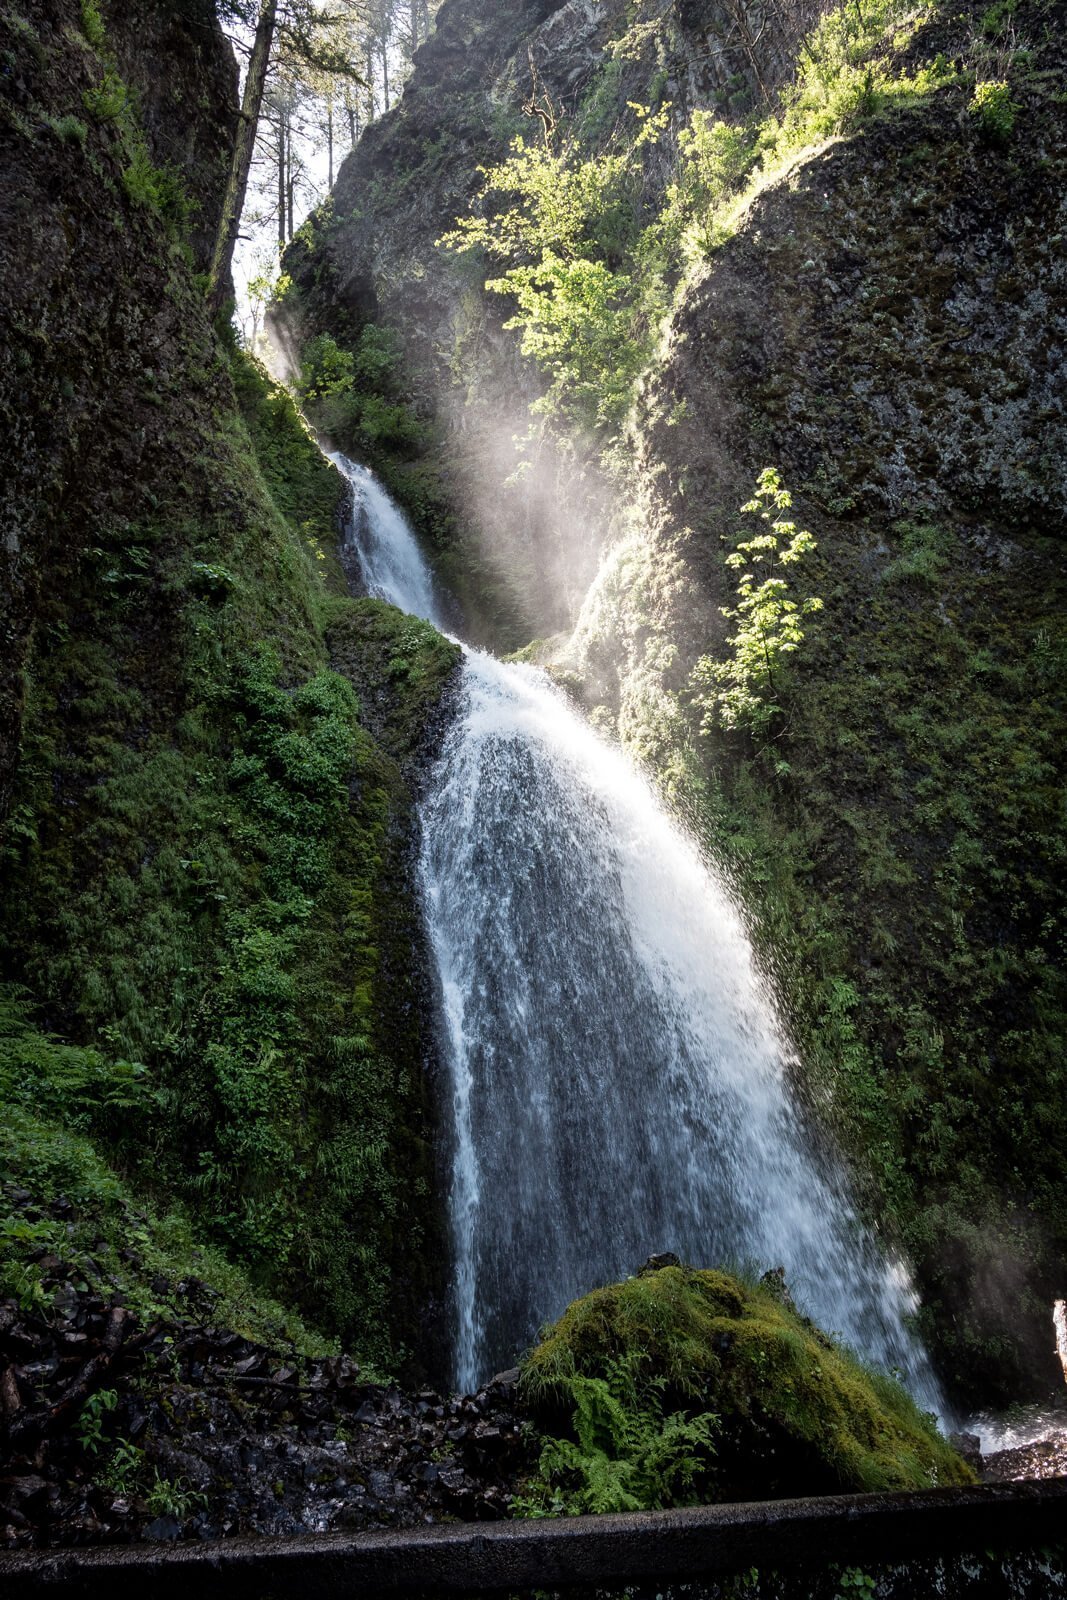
{"x": 618, "y": 1075}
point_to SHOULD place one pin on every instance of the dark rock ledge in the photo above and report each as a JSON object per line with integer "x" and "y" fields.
{"x": 114, "y": 1430}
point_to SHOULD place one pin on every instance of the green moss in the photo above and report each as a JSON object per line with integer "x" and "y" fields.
{"x": 401, "y": 665}
{"x": 307, "y": 491}
{"x": 792, "y": 1411}
{"x": 207, "y": 875}
{"x": 63, "y": 1104}
{"x": 901, "y": 852}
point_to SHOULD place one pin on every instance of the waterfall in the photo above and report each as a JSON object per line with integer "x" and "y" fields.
{"x": 618, "y": 1075}
{"x": 391, "y": 565}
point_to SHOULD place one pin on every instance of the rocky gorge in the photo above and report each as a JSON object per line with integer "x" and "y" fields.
{"x": 228, "y": 1148}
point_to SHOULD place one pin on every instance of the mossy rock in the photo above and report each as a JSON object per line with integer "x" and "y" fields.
{"x": 785, "y": 1410}
{"x": 401, "y": 668}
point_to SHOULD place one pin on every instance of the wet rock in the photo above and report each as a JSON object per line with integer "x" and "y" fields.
{"x": 969, "y": 1446}
{"x": 163, "y": 1529}
{"x": 656, "y": 1263}
{"x": 1044, "y": 1458}
{"x": 259, "y": 1440}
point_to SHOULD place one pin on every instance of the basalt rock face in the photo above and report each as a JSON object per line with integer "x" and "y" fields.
{"x": 167, "y": 569}
{"x": 91, "y": 328}
{"x": 888, "y": 328}
{"x": 186, "y": 77}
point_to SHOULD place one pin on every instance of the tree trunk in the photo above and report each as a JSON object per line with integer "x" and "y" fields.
{"x": 414, "y": 26}
{"x": 329, "y": 136}
{"x": 241, "y": 164}
{"x": 282, "y": 157}
{"x": 385, "y": 71}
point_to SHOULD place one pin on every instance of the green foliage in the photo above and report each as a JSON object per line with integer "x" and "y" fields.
{"x": 926, "y": 552}
{"x": 123, "y": 1473}
{"x": 89, "y": 1428}
{"x": 161, "y": 188}
{"x": 591, "y": 267}
{"x": 855, "y": 1584}
{"x": 92, "y": 23}
{"x": 715, "y": 160}
{"x": 680, "y": 1385}
{"x": 218, "y": 902}
{"x": 110, "y": 100}
{"x": 567, "y": 224}
{"x": 89, "y": 1090}
{"x": 626, "y": 1454}
{"x": 745, "y": 691}
{"x": 22, "y": 1278}
{"x": 993, "y": 110}
{"x": 922, "y": 749}
{"x": 70, "y": 130}
{"x": 171, "y": 1497}
{"x": 354, "y": 394}
{"x": 579, "y": 325}
{"x": 211, "y": 579}
{"x": 327, "y": 369}
{"x": 998, "y": 18}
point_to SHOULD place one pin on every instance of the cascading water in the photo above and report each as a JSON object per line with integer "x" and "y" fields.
{"x": 618, "y": 1075}
{"x": 391, "y": 564}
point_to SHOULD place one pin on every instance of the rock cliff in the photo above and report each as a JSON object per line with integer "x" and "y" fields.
{"x": 208, "y": 917}
{"x": 883, "y": 322}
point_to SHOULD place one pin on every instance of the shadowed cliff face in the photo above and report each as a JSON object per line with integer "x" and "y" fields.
{"x": 888, "y": 329}
{"x": 185, "y": 73}
{"x": 207, "y": 866}
{"x": 92, "y": 330}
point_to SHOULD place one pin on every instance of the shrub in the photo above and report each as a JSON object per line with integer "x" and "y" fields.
{"x": 327, "y": 369}
{"x": 745, "y": 690}
{"x": 994, "y": 111}
{"x": 108, "y": 101}
{"x": 997, "y": 18}
{"x": 70, "y": 130}
{"x": 92, "y": 23}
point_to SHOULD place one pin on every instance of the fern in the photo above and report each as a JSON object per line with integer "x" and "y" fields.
{"x": 626, "y": 1454}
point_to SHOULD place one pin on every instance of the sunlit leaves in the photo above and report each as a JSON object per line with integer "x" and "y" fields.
{"x": 744, "y": 691}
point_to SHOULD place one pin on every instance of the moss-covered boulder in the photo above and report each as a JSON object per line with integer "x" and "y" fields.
{"x": 401, "y": 668}
{"x": 680, "y": 1386}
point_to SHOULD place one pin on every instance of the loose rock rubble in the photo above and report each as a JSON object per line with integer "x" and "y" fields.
{"x": 113, "y": 1431}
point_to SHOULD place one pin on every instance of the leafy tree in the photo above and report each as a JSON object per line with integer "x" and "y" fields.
{"x": 565, "y": 225}
{"x": 744, "y": 691}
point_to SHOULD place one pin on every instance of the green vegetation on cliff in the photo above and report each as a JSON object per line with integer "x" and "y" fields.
{"x": 678, "y": 1387}
{"x": 837, "y": 261}
{"x": 221, "y": 905}
{"x": 592, "y": 254}
{"x": 213, "y": 1007}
